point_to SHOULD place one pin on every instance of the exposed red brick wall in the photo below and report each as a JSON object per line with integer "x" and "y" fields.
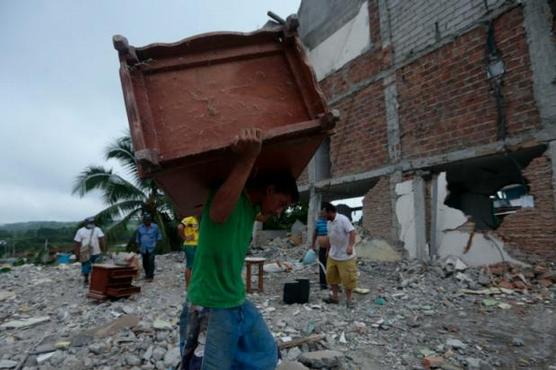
{"x": 360, "y": 142}
{"x": 445, "y": 99}
{"x": 533, "y": 230}
{"x": 361, "y": 68}
{"x": 377, "y": 210}
{"x": 521, "y": 110}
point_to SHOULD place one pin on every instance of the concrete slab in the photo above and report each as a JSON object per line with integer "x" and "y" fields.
{"x": 377, "y": 250}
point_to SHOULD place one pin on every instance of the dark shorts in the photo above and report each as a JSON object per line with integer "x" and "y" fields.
{"x": 189, "y": 255}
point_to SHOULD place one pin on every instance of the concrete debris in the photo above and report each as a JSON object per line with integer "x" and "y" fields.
{"x": 21, "y": 324}
{"x": 376, "y": 250}
{"x": 417, "y": 319}
{"x": 5, "y": 295}
{"x": 172, "y": 357}
{"x": 432, "y": 362}
{"x": 288, "y": 365}
{"x": 293, "y": 354}
{"x": 321, "y": 359}
{"x": 162, "y": 325}
{"x": 518, "y": 342}
{"x": 44, "y": 357}
{"x": 455, "y": 343}
{"x": 113, "y": 327}
{"x": 451, "y": 264}
{"x": 7, "y": 364}
{"x": 99, "y": 348}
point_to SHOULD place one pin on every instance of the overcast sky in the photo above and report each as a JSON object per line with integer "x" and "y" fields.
{"x": 60, "y": 96}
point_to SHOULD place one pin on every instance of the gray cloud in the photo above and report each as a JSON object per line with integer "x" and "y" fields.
{"x": 60, "y": 94}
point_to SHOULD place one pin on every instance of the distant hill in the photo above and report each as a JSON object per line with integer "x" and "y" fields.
{"x": 34, "y": 225}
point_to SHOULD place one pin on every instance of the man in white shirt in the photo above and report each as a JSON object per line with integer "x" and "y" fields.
{"x": 89, "y": 244}
{"x": 341, "y": 265}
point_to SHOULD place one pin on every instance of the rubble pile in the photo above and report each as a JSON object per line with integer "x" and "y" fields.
{"x": 46, "y": 322}
{"x": 413, "y": 316}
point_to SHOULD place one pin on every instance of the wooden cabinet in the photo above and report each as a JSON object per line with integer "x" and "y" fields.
{"x": 187, "y": 101}
{"x": 111, "y": 281}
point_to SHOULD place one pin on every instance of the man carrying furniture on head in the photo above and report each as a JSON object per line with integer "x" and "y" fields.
{"x": 218, "y": 324}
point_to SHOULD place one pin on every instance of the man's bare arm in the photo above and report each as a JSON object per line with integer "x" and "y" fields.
{"x": 313, "y": 245}
{"x": 248, "y": 147}
{"x": 181, "y": 230}
{"x": 76, "y": 249}
{"x": 349, "y": 250}
{"x": 102, "y": 242}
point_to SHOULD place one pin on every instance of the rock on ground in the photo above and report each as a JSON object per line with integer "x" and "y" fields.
{"x": 320, "y": 359}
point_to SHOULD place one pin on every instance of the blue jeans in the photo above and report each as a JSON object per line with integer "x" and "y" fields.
{"x": 87, "y": 266}
{"x": 237, "y": 338}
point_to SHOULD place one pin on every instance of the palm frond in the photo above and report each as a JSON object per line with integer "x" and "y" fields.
{"x": 122, "y": 150}
{"x": 120, "y": 226}
{"x": 117, "y": 210}
{"x": 114, "y": 188}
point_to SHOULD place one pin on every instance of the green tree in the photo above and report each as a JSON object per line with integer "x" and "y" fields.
{"x": 288, "y": 217}
{"x": 127, "y": 200}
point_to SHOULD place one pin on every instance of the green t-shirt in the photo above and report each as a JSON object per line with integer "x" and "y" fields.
{"x": 216, "y": 280}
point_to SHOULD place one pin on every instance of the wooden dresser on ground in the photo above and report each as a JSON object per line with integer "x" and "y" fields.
{"x": 111, "y": 281}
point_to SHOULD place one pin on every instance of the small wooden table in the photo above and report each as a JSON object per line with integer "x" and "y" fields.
{"x": 256, "y": 261}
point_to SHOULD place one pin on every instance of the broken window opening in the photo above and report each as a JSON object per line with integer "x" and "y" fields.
{"x": 352, "y": 208}
{"x": 512, "y": 198}
{"x": 488, "y": 189}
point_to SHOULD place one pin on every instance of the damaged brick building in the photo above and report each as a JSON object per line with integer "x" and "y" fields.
{"x": 448, "y": 124}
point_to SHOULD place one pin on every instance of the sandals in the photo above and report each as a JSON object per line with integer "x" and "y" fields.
{"x": 331, "y": 300}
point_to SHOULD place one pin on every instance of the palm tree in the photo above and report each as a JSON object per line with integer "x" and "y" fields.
{"x": 127, "y": 199}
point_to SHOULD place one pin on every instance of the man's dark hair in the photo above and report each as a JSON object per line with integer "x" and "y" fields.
{"x": 283, "y": 182}
{"x": 329, "y": 207}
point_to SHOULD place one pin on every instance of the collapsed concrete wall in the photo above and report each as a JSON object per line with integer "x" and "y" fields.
{"x": 453, "y": 238}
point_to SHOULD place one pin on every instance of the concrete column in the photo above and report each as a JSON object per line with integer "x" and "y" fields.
{"x": 420, "y": 218}
{"x": 434, "y": 217}
{"x": 392, "y": 119}
{"x": 395, "y": 178}
{"x": 315, "y": 201}
{"x": 385, "y": 30}
{"x": 552, "y": 156}
{"x": 319, "y": 169}
{"x": 542, "y": 53}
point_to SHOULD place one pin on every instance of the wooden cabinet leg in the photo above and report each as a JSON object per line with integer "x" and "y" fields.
{"x": 248, "y": 277}
{"x": 261, "y": 279}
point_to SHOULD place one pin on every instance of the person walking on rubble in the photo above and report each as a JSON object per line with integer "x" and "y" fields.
{"x": 89, "y": 244}
{"x": 188, "y": 230}
{"x": 341, "y": 266}
{"x": 218, "y": 323}
{"x": 320, "y": 238}
{"x": 146, "y": 237}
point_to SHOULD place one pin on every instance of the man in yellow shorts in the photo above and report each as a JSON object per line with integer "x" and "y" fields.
{"x": 341, "y": 265}
{"x": 188, "y": 230}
